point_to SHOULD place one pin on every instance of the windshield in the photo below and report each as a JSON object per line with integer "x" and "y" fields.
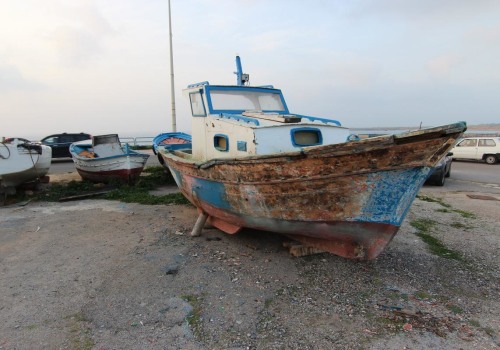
{"x": 241, "y": 100}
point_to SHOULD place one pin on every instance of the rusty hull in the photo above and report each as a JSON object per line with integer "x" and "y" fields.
{"x": 349, "y": 199}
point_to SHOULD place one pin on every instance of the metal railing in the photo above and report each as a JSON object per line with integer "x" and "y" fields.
{"x": 137, "y": 141}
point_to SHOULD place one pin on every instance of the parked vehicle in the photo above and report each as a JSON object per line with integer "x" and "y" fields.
{"x": 441, "y": 171}
{"x": 60, "y": 143}
{"x": 478, "y": 148}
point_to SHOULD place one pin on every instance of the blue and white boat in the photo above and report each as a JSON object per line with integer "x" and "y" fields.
{"x": 170, "y": 141}
{"x": 252, "y": 163}
{"x": 104, "y": 158}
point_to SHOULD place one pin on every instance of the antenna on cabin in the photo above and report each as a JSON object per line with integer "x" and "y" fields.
{"x": 174, "y": 124}
{"x": 241, "y": 79}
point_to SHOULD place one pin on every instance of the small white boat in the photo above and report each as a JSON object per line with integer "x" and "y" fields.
{"x": 22, "y": 162}
{"x": 104, "y": 158}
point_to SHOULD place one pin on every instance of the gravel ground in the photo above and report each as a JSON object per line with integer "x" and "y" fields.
{"x": 98, "y": 274}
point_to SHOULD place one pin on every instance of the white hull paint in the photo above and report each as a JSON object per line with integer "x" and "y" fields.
{"x": 107, "y": 160}
{"x": 19, "y": 164}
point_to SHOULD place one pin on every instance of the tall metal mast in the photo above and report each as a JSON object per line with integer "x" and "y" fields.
{"x": 241, "y": 78}
{"x": 172, "y": 93}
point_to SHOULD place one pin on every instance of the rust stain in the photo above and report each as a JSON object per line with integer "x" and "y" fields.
{"x": 348, "y": 199}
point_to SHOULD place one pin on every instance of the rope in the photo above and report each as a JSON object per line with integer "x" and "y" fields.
{"x": 32, "y": 161}
{"x": 8, "y": 150}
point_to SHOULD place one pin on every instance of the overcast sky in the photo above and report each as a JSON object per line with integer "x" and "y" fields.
{"x": 102, "y": 66}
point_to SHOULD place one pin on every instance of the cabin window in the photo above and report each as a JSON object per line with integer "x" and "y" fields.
{"x": 221, "y": 143}
{"x": 304, "y": 137}
{"x": 197, "y": 106}
{"x": 241, "y": 146}
{"x": 245, "y": 100}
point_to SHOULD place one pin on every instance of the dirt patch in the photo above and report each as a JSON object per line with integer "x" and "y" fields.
{"x": 65, "y": 178}
{"x": 108, "y": 275}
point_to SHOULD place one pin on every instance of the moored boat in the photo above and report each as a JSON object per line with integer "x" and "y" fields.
{"x": 104, "y": 158}
{"x": 254, "y": 164}
{"x": 170, "y": 141}
{"x": 22, "y": 162}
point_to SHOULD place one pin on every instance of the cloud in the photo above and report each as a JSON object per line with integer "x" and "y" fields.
{"x": 270, "y": 41}
{"x": 426, "y": 9}
{"x": 11, "y": 78}
{"x": 81, "y": 35}
{"x": 484, "y": 35}
{"x": 441, "y": 67}
{"x": 75, "y": 45}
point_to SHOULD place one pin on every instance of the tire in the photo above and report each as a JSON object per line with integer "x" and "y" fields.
{"x": 448, "y": 174}
{"x": 490, "y": 159}
{"x": 160, "y": 159}
{"x": 441, "y": 180}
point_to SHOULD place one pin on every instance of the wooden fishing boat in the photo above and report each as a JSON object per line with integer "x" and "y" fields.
{"x": 253, "y": 164}
{"x": 104, "y": 158}
{"x": 170, "y": 141}
{"x": 22, "y": 162}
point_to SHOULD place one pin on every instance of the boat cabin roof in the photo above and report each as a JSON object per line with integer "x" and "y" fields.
{"x": 248, "y": 104}
{"x": 235, "y": 99}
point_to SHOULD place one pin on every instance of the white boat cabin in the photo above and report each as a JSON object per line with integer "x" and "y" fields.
{"x": 239, "y": 121}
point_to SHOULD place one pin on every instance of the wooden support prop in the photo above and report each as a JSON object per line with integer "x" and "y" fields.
{"x": 297, "y": 249}
{"x": 198, "y": 226}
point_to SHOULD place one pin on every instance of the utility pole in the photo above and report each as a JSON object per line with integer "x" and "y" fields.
{"x": 172, "y": 93}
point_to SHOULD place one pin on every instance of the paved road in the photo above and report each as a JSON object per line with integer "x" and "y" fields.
{"x": 465, "y": 176}
{"x": 471, "y": 176}
{"x": 477, "y": 172}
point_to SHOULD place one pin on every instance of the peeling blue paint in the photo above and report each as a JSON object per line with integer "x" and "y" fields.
{"x": 177, "y": 177}
{"x": 392, "y": 195}
{"x": 211, "y": 192}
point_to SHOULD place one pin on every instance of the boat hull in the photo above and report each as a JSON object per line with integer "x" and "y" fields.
{"x": 104, "y": 159}
{"x": 23, "y": 163}
{"x": 123, "y": 168}
{"x": 349, "y": 199}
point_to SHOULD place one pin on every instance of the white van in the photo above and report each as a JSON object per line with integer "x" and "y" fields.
{"x": 478, "y": 148}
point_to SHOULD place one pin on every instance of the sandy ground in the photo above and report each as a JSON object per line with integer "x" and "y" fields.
{"x": 99, "y": 274}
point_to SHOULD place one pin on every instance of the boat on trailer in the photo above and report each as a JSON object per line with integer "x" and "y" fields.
{"x": 22, "y": 161}
{"x": 104, "y": 158}
{"x": 253, "y": 164}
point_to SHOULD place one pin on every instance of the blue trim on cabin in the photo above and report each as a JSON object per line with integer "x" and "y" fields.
{"x": 200, "y": 92}
{"x": 240, "y": 118}
{"x": 295, "y": 130}
{"x": 323, "y": 120}
{"x": 203, "y": 83}
{"x": 209, "y": 88}
{"x": 224, "y": 136}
